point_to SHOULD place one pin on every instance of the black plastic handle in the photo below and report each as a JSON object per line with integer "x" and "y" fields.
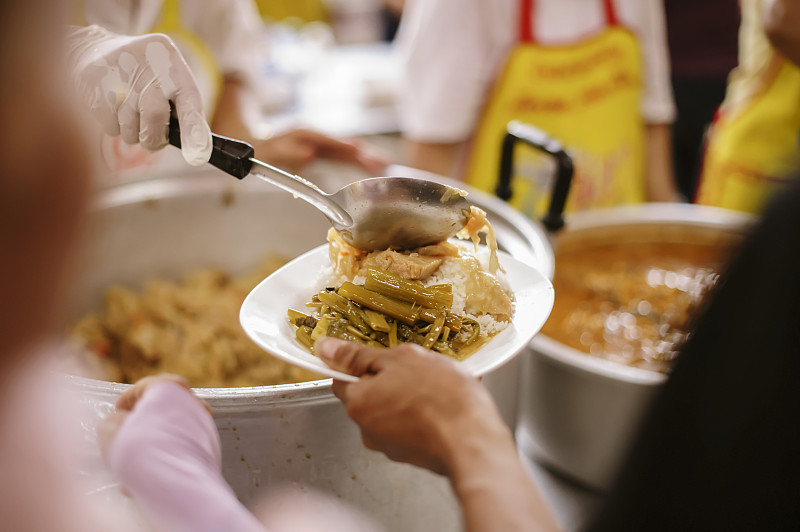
{"x": 553, "y": 220}
{"x": 229, "y": 155}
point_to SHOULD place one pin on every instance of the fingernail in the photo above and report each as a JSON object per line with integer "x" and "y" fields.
{"x": 326, "y": 346}
{"x": 198, "y": 149}
{"x": 199, "y": 133}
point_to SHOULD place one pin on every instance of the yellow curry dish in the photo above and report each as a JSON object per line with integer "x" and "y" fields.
{"x": 631, "y": 302}
{"x": 449, "y": 297}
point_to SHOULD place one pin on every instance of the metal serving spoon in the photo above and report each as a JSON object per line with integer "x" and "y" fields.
{"x": 371, "y": 214}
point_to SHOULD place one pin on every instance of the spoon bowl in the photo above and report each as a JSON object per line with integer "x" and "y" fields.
{"x": 381, "y": 212}
{"x": 400, "y": 212}
{"x": 371, "y": 214}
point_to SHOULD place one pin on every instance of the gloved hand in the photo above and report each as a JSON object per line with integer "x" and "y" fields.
{"x": 128, "y": 81}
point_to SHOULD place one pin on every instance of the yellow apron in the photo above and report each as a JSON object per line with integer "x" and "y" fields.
{"x": 303, "y": 10}
{"x": 753, "y": 151}
{"x": 587, "y": 95}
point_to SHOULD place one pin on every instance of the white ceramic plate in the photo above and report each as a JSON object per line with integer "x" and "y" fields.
{"x": 264, "y": 318}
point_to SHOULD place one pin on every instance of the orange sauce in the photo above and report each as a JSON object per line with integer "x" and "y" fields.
{"x": 631, "y": 303}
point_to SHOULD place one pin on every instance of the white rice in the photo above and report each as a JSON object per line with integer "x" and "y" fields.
{"x": 451, "y": 272}
{"x": 328, "y": 278}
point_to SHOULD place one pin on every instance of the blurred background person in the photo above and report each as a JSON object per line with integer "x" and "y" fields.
{"x": 164, "y": 446}
{"x": 702, "y": 40}
{"x": 44, "y": 177}
{"x": 754, "y": 143}
{"x": 224, "y": 46}
{"x": 592, "y": 73}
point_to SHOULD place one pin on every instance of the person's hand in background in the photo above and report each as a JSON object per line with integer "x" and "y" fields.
{"x": 125, "y": 404}
{"x": 297, "y": 148}
{"x": 163, "y": 446}
{"x": 420, "y": 407}
{"x": 127, "y": 83}
{"x": 291, "y": 150}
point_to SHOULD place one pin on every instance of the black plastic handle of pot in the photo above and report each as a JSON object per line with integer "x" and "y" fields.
{"x": 229, "y": 155}
{"x": 516, "y": 131}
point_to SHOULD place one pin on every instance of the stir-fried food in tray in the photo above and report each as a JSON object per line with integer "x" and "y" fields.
{"x": 450, "y": 297}
{"x": 190, "y": 327}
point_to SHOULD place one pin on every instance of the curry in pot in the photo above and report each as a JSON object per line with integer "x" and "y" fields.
{"x": 631, "y": 302}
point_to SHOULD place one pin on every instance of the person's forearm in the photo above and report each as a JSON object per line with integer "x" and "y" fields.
{"x": 493, "y": 486}
{"x": 439, "y": 158}
{"x": 781, "y": 20}
{"x": 167, "y": 455}
{"x": 228, "y": 116}
{"x": 659, "y": 175}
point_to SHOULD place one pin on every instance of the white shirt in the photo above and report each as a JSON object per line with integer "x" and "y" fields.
{"x": 231, "y": 29}
{"x": 452, "y": 50}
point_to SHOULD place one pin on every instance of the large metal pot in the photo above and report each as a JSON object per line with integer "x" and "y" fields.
{"x": 296, "y": 433}
{"x": 578, "y": 413}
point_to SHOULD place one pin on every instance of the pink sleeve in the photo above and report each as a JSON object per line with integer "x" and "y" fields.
{"x": 167, "y": 455}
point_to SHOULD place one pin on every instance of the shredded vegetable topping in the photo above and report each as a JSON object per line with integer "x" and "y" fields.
{"x": 476, "y": 225}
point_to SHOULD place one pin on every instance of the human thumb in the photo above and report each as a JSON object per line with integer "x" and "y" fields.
{"x": 350, "y": 357}
{"x": 196, "y": 141}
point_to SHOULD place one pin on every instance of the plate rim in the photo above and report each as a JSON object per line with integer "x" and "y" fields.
{"x": 321, "y": 368}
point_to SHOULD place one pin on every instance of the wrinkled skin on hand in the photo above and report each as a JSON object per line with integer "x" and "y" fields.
{"x": 414, "y": 405}
{"x": 420, "y": 407}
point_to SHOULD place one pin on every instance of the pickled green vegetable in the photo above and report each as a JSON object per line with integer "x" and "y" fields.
{"x": 385, "y": 312}
{"x": 391, "y": 285}
{"x": 399, "y": 310}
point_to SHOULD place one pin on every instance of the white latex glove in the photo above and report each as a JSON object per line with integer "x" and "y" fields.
{"x": 128, "y": 82}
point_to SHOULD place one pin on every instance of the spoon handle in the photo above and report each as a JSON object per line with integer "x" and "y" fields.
{"x": 235, "y": 157}
{"x": 305, "y": 190}
{"x": 229, "y": 155}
